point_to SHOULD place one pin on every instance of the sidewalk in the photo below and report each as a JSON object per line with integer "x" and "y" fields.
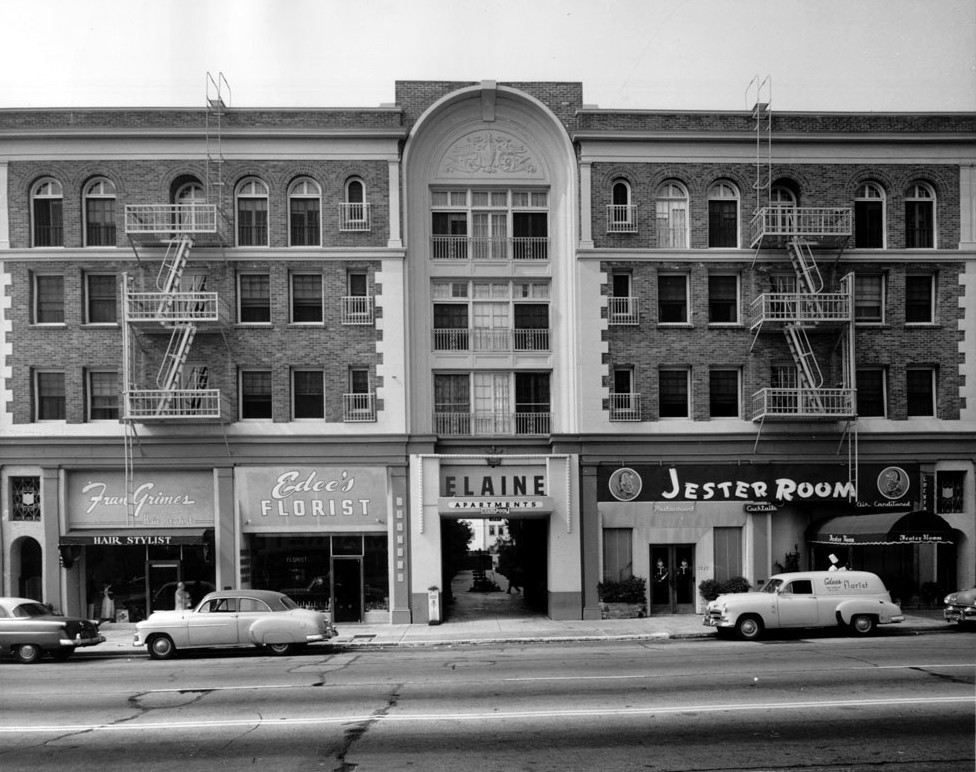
{"x": 520, "y": 630}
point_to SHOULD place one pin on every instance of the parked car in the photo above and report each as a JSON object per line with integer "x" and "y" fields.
{"x": 855, "y": 599}
{"x": 29, "y": 629}
{"x": 960, "y": 607}
{"x": 234, "y": 618}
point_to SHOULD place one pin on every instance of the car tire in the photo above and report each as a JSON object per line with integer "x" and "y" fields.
{"x": 161, "y": 647}
{"x": 280, "y": 649}
{"x": 749, "y": 627}
{"x": 29, "y": 653}
{"x": 862, "y": 624}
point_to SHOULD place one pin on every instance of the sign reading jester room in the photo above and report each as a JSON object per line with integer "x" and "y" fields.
{"x": 312, "y": 498}
{"x": 162, "y": 499}
{"x": 881, "y": 487}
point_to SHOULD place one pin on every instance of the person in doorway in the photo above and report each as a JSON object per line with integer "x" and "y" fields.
{"x": 181, "y": 600}
{"x": 108, "y": 604}
{"x": 514, "y": 582}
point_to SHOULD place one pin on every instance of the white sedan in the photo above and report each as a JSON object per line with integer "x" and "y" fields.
{"x": 234, "y": 618}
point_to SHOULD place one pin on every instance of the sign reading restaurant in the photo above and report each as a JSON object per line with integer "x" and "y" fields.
{"x": 161, "y": 499}
{"x": 879, "y": 487}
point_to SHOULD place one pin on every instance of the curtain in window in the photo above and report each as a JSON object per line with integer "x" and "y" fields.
{"x": 618, "y": 560}
{"x": 252, "y": 222}
{"x": 306, "y": 298}
{"x": 50, "y": 397}
{"x": 104, "y": 396}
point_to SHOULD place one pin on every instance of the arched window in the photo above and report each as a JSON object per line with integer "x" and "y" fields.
{"x": 621, "y": 213}
{"x": 47, "y": 199}
{"x": 252, "y": 213}
{"x": 354, "y": 214}
{"x": 99, "y": 199}
{"x": 671, "y": 210}
{"x": 783, "y": 203}
{"x": 189, "y": 199}
{"x": 723, "y": 215}
{"x": 304, "y": 213}
{"x": 920, "y": 216}
{"x": 869, "y": 216}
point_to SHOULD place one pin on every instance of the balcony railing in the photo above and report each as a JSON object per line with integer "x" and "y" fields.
{"x": 359, "y": 407}
{"x": 487, "y": 339}
{"x": 357, "y": 309}
{"x": 489, "y": 248}
{"x": 625, "y": 407}
{"x": 803, "y": 222}
{"x": 171, "y": 218}
{"x": 354, "y": 217}
{"x": 621, "y": 218}
{"x": 165, "y": 404}
{"x": 797, "y": 403}
{"x": 485, "y": 424}
{"x": 801, "y": 308}
{"x": 173, "y": 307}
{"x": 623, "y": 310}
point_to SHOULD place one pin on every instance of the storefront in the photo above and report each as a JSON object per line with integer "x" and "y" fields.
{"x": 320, "y": 535}
{"x": 125, "y": 547}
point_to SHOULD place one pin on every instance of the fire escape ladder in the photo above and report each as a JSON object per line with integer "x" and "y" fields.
{"x": 174, "y": 263}
{"x": 811, "y": 376}
{"x": 170, "y": 375}
{"x": 805, "y": 265}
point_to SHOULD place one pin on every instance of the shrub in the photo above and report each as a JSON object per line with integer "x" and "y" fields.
{"x": 710, "y": 589}
{"x": 737, "y": 584}
{"x": 633, "y": 590}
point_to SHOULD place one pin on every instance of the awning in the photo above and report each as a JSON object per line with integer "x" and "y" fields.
{"x": 135, "y": 537}
{"x": 882, "y": 528}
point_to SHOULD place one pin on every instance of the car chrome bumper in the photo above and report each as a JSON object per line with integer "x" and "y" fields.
{"x": 956, "y": 614}
{"x": 79, "y": 642}
{"x": 709, "y": 621}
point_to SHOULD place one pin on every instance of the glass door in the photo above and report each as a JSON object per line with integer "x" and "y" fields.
{"x": 672, "y": 579}
{"x": 163, "y": 576}
{"x": 347, "y": 588}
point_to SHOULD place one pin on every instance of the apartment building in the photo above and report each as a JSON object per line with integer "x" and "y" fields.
{"x": 282, "y": 348}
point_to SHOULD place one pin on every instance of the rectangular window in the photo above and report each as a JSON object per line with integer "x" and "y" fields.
{"x": 304, "y": 218}
{"x": 255, "y": 298}
{"x": 252, "y": 222}
{"x": 49, "y": 402}
{"x": 727, "y": 552}
{"x": 919, "y": 225}
{"x": 920, "y": 382}
{"x": 25, "y": 498}
{"x": 950, "y": 489}
{"x": 624, "y": 403}
{"x": 450, "y": 327}
{"x": 869, "y": 224}
{"x": 531, "y": 326}
{"x": 100, "y": 222}
{"x": 533, "y": 403}
{"x": 618, "y": 559}
{"x": 48, "y": 222}
{"x": 723, "y": 299}
{"x": 722, "y": 223}
{"x": 103, "y": 395}
{"x": 673, "y": 394}
{"x": 723, "y": 393}
{"x": 306, "y": 298}
{"x": 100, "y": 305}
{"x": 869, "y": 299}
{"x": 359, "y": 402}
{"x": 450, "y": 231}
{"x": 256, "y": 394}
{"x": 919, "y": 299}
{"x": 871, "y": 392}
{"x": 308, "y": 394}
{"x": 672, "y": 297}
{"x": 531, "y": 235}
{"x": 48, "y": 300}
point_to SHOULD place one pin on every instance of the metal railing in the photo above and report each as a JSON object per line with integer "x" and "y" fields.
{"x": 621, "y": 218}
{"x": 489, "y": 248}
{"x": 486, "y": 339}
{"x": 166, "y": 404}
{"x": 485, "y": 424}
{"x": 354, "y": 217}
{"x": 625, "y": 407}
{"x": 357, "y": 309}
{"x": 359, "y": 407}
{"x": 803, "y": 403}
{"x": 171, "y": 218}
{"x": 623, "y": 310}
{"x": 806, "y": 221}
{"x": 801, "y": 308}
{"x": 166, "y": 307}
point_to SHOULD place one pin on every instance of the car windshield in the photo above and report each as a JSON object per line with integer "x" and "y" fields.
{"x": 31, "y": 610}
{"x": 772, "y": 586}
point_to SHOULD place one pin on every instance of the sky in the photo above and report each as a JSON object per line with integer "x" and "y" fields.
{"x": 818, "y": 55}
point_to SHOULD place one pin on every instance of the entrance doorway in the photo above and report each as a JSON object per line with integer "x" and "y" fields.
{"x": 348, "y": 588}
{"x": 163, "y": 576}
{"x": 672, "y": 579}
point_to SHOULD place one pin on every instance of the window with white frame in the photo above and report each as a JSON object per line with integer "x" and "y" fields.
{"x": 624, "y": 401}
{"x": 872, "y": 392}
{"x": 304, "y": 213}
{"x": 869, "y": 216}
{"x": 673, "y": 393}
{"x": 354, "y": 210}
{"x": 252, "y": 213}
{"x": 254, "y": 298}
{"x": 103, "y": 395}
{"x": 100, "y": 298}
{"x": 723, "y": 215}
{"x": 920, "y": 391}
{"x": 49, "y": 395}
{"x": 618, "y": 560}
{"x": 48, "y": 305}
{"x": 622, "y": 306}
{"x": 486, "y": 316}
{"x": 919, "y": 299}
{"x": 360, "y": 404}
{"x": 307, "y": 298}
{"x": 782, "y": 203}
{"x": 671, "y": 214}
{"x": 47, "y": 212}
{"x": 869, "y": 298}
{"x": 723, "y": 299}
{"x": 308, "y": 394}
{"x": 256, "y": 395}
{"x": 357, "y": 305}
{"x": 724, "y": 392}
{"x": 621, "y": 212}
{"x": 920, "y": 216}
{"x": 672, "y": 298}
{"x": 99, "y": 202}
{"x": 190, "y": 200}
{"x": 490, "y": 224}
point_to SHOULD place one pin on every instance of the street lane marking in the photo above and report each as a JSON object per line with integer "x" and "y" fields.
{"x": 483, "y": 716}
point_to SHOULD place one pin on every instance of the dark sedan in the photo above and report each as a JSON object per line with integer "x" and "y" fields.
{"x": 29, "y": 629}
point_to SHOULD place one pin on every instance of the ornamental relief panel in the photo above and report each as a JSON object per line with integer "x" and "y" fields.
{"x": 489, "y": 153}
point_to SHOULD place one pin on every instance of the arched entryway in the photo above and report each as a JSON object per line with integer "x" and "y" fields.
{"x": 26, "y": 569}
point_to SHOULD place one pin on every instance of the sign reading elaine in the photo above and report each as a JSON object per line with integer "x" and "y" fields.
{"x": 158, "y": 500}
{"x": 312, "y": 498}
{"x": 880, "y": 487}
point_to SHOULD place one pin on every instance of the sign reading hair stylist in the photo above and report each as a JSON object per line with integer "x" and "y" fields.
{"x": 162, "y": 499}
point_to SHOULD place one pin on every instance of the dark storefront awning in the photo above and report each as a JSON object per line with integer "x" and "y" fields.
{"x": 882, "y": 528}
{"x": 151, "y": 537}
